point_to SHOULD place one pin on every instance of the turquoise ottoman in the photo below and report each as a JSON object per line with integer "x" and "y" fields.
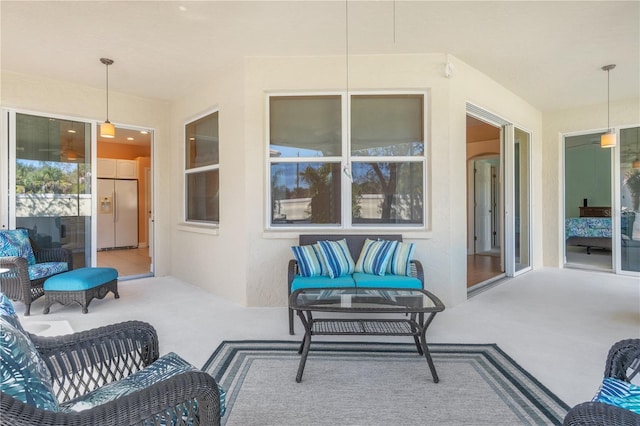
{"x": 80, "y": 286}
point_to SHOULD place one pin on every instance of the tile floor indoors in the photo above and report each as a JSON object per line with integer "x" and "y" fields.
{"x": 556, "y": 323}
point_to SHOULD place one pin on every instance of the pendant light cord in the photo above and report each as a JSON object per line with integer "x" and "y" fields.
{"x": 107, "y": 62}
{"x": 608, "y": 100}
{"x": 107, "y": 92}
{"x": 346, "y": 169}
{"x": 346, "y": 42}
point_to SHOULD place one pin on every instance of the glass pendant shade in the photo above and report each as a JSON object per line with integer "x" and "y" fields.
{"x": 608, "y": 140}
{"x": 107, "y": 130}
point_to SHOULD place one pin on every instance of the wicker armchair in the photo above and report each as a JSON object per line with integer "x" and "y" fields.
{"x": 16, "y": 283}
{"x": 85, "y": 361}
{"x": 623, "y": 363}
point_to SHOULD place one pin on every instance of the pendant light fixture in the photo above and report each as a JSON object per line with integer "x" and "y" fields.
{"x": 608, "y": 140}
{"x": 107, "y": 130}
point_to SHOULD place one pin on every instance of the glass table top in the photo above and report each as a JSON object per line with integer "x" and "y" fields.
{"x": 365, "y": 300}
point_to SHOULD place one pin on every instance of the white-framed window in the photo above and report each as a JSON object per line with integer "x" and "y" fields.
{"x": 202, "y": 164}
{"x": 347, "y": 161}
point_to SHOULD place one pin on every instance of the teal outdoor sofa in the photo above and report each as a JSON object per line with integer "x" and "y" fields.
{"x": 413, "y": 279}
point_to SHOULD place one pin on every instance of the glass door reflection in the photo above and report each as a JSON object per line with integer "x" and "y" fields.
{"x": 53, "y": 183}
{"x": 630, "y": 199}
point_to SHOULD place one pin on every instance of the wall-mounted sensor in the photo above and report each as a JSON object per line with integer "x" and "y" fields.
{"x": 448, "y": 70}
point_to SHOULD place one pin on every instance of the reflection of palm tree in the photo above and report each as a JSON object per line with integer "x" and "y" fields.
{"x": 632, "y": 180}
{"x": 388, "y": 186}
{"x": 319, "y": 180}
{"x": 277, "y": 192}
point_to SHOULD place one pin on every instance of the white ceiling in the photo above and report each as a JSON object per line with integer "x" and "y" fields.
{"x": 548, "y": 52}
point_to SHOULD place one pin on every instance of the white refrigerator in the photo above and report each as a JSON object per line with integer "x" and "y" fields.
{"x": 117, "y": 213}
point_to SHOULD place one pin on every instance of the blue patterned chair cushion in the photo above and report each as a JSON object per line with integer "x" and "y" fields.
{"x": 619, "y": 393}
{"x": 46, "y": 269}
{"x": 375, "y": 256}
{"x": 310, "y": 261}
{"x": 400, "y": 263}
{"x": 337, "y": 257}
{"x": 23, "y": 373}
{"x": 8, "y": 313}
{"x": 164, "y": 368}
{"x": 15, "y": 243}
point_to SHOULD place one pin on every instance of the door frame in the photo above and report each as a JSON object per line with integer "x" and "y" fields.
{"x": 8, "y": 170}
{"x": 149, "y": 222}
{"x": 507, "y": 177}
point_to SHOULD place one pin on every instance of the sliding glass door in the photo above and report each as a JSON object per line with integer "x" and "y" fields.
{"x": 522, "y": 199}
{"x": 629, "y": 214}
{"x": 517, "y": 200}
{"x": 515, "y": 209}
{"x": 50, "y": 182}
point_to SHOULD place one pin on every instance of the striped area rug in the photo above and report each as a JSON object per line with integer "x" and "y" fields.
{"x": 357, "y": 383}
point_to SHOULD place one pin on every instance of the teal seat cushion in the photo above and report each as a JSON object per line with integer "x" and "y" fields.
{"x": 46, "y": 269}
{"x": 80, "y": 279}
{"x": 385, "y": 281}
{"x": 165, "y": 367}
{"x": 23, "y": 373}
{"x": 321, "y": 282}
{"x": 15, "y": 243}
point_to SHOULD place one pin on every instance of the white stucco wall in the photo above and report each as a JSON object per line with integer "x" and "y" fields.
{"x": 587, "y": 119}
{"x": 240, "y": 260}
{"x": 215, "y": 258}
{"x": 28, "y": 93}
{"x": 246, "y": 263}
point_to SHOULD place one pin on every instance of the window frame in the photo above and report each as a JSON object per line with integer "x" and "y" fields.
{"x": 198, "y": 170}
{"x": 346, "y": 160}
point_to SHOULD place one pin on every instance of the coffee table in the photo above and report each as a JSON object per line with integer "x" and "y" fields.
{"x": 365, "y": 311}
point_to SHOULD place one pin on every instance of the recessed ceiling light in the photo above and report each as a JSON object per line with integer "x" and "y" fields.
{"x": 144, "y": 132}
{"x": 129, "y": 138}
{"x": 71, "y": 131}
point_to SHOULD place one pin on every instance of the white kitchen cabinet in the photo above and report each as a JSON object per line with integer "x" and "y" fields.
{"x": 106, "y": 168}
{"x": 116, "y": 168}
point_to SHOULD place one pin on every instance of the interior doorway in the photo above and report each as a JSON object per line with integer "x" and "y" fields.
{"x": 485, "y": 248}
{"x": 124, "y": 191}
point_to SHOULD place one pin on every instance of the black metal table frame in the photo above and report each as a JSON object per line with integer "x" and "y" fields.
{"x": 414, "y": 325}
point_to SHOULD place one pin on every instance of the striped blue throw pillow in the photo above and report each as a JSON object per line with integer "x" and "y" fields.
{"x": 310, "y": 261}
{"x": 400, "y": 263}
{"x": 337, "y": 257}
{"x": 375, "y": 256}
{"x": 619, "y": 393}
